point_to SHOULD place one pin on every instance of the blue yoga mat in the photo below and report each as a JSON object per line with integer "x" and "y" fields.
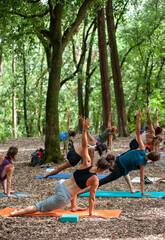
{"x": 65, "y": 175}
{"x": 17, "y": 194}
{"x": 123, "y": 194}
{"x": 162, "y": 155}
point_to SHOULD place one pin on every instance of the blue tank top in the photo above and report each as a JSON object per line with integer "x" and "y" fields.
{"x": 2, "y": 166}
{"x": 81, "y": 176}
{"x": 132, "y": 159}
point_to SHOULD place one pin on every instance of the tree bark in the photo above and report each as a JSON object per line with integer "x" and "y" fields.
{"x": 24, "y": 96}
{"x": 119, "y": 94}
{"x": 58, "y": 43}
{"x": 105, "y": 81}
{"x": 14, "y": 97}
{"x": 1, "y": 62}
{"x": 89, "y": 72}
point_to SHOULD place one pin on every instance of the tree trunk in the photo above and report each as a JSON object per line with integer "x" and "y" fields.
{"x": 58, "y": 43}
{"x": 89, "y": 72}
{"x": 119, "y": 95}
{"x": 24, "y": 96}
{"x": 1, "y": 61}
{"x": 105, "y": 81}
{"x": 52, "y": 141}
{"x": 80, "y": 74}
{"x": 14, "y": 97}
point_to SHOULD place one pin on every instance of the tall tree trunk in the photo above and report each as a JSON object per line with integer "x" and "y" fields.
{"x": 14, "y": 97}
{"x": 80, "y": 76}
{"x": 58, "y": 43}
{"x": 1, "y": 62}
{"x": 119, "y": 95}
{"x": 105, "y": 81}
{"x": 24, "y": 96}
{"x": 52, "y": 141}
{"x": 89, "y": 72}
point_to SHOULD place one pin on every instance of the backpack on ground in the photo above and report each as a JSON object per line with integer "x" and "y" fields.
{"x": 37, "y": 157}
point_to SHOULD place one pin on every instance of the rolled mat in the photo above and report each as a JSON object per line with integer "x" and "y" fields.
{"x": 17, "y": 194}
{"x": 123, "y": 194}
{"x": 57, "y": 213}
{"x": 65, "y": 175}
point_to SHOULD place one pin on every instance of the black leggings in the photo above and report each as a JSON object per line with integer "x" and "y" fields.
{"x": 117, "y": 172}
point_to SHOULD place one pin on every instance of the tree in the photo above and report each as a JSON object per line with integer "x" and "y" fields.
{"x": 119, "y": 94}
{"x": 105, "y": 81}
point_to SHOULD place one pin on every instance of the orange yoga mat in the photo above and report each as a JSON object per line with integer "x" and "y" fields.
{"x": 58, "y": 213}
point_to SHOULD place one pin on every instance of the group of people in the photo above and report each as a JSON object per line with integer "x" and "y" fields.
{"x": 85, "y": 177}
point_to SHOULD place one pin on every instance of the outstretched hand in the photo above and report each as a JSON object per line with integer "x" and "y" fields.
{"x": 85, "y": 124}
{"x": 148, "y": 110}
{"x": 139, "y": 113}
{"x": 80, "y": 118}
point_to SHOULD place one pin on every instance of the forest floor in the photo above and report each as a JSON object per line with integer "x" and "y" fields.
{"x": 141, "y": 218}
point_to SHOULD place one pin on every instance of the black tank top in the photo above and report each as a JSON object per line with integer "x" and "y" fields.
{"x": 81, "y": 176}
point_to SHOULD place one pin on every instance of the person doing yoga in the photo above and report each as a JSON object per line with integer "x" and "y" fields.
{"x": 65, "y": 137}
{"x": 67, "y": 190}
{"x": 106, "y": 136}
{"x": 7, "y": 169}
{"x": 131, "y": 160}
{"x": 75, "y": 155}
{"x": 150, "y": 137}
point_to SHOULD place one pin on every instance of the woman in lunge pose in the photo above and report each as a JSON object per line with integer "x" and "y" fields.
{"x": 67, "y": 190}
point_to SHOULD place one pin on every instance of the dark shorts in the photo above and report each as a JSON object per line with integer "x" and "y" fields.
{"x": 73, "y": 157}
{"x": 134, "y": 144}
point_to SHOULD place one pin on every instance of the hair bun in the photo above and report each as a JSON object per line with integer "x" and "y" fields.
{"x": 110, "y": 157}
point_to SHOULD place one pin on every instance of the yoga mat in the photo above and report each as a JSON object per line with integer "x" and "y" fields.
{"x": 123, "y": 194}
{"x": 17, "y": 194}
{"x": 137, "y": 179}
{"x": 162, "y": 155}
{"x": 65, "y": 175}
{"x": 58, "y": 213}
{"x": 160, "y": 164}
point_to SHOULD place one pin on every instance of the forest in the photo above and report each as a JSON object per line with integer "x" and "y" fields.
{"x": 84, "y": 57}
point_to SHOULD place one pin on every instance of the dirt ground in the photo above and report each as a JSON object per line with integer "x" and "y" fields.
{"x": 141, "y": 218}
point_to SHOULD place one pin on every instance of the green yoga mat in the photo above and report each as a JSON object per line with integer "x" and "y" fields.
{"x": 123, "y": 194}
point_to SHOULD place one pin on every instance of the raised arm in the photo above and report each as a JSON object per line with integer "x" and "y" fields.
{"x": 156, "y": 116}
{"x": 68, "y": 122}
{"x": 139, "y": 140}
{"x": 109, "y": 127}
{"x": 85, "y": 155}
{"x": 152, "y": 130}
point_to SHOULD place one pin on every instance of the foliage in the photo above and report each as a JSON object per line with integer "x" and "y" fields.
{"x": 141, "y": 49}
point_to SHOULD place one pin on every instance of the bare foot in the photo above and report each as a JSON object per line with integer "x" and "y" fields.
{"x": 11, "y": 196}
{"x": 77, "y": 208}
{"x": 96, "y": 215}
{"x": 14, "y": 213}
{"x": 133, "y": 190}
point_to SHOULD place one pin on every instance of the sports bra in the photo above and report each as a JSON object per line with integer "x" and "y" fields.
{"x": 81, "y": 176}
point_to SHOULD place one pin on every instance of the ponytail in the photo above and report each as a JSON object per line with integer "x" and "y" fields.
{"x": 111, "y": 159}
{"x": 106, "y": 162}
